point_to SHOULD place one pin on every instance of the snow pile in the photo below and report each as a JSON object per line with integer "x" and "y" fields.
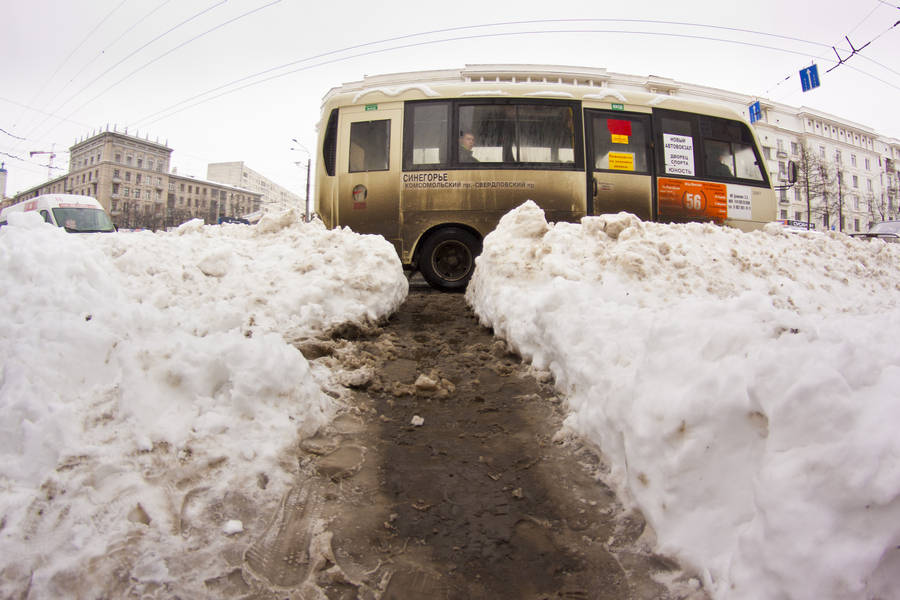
{"x": 143, "y": 371}
{"x": 745, "y": 387}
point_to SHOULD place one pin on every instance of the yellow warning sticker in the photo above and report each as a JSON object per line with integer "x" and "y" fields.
{"x": 621, "y": 161}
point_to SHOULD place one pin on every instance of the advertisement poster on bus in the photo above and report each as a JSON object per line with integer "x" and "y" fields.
{"x": 681, "y": 200}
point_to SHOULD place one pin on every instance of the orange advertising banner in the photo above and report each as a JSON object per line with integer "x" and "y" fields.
{"x": 681, "y": 199}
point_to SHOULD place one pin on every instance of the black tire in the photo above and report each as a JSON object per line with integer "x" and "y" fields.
{"x": 447, "y": 259}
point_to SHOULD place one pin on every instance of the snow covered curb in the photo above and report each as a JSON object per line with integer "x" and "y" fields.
{"x": 743, "y": 386}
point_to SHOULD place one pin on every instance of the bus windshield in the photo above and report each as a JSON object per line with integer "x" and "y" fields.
{"x": 83, "y": 220}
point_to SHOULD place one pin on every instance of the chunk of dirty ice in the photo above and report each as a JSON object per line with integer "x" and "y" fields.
{"x": 417, "y": 421}
{"x": 426, "y": 384}
{"x": 233, "y": 526}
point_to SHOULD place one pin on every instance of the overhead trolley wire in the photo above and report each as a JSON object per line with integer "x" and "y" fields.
{"x": 178, "y": 47}
{"x": 855, "y": 51}
{"x": 66, "y": 60}
{"x": 148, "y": 118}
{"x": 90, "y": 83}
{"x": 113, "y": 43}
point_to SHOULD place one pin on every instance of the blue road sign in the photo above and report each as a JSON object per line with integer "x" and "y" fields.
{"x": 809, "y": 78}
{"x": 755, "y": 112}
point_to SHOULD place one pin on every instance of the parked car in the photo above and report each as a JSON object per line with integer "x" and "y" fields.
{"x": 889, "y": 231}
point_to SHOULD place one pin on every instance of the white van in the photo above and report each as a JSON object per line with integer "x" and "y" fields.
{"x": 78, "y": 214}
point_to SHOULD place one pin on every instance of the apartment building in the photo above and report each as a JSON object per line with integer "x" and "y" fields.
{"x": 240, "y": 175}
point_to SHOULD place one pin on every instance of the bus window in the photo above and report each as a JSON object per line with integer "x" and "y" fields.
{"x": 728, "y": 147}
{"x": 546, "y": 134}
{"x": 493, "y": 128}
{"x": 719, "y": 159}
{"x": 747, "y": 167}
{"x": 329, "y": 145}
{"x": 430, "y": 124}
{"x": 619, "y": 144}
{"x": 526, "y": 134}
{"x": 370, "y": 144}
{"x": 678, "y": 148}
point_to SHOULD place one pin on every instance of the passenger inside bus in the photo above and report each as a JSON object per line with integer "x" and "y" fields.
{"x": 719, "y": 160}
{"x": 466, "y": 143}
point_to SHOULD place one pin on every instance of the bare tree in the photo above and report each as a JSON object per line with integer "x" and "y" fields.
{"x": 813, "y": 178}
{"x": 834, "y": 195}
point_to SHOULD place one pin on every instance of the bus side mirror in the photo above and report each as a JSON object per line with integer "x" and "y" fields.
{"x": 792, "y": 172}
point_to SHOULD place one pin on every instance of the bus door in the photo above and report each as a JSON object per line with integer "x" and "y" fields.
{"x": 619, "y": 163}
{"x": 368, "y": 166}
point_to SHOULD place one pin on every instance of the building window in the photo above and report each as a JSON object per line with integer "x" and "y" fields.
{"x": 855, "y": 224}
{"x": 853, "y": 160}
{"x": 837, "y": 156}
{"x": 128, "y": 159}
{"x": 137, "y": 179}
{"x": 822, "y": 151}
{"x": 118, "y": 157}
{"x": 140, "y": 163}
{"x": 868, "y": 164}
{"x": 181, "y": 187}
{"x": 127, "y": 175}
{"x": 869, "y": 185}
{"x": 795, "y": 148}
{"x": 855, "y": 181}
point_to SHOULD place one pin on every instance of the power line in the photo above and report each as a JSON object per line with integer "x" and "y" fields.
{"x": 73, "y": 96}
{"x": 25, "y": 160}
{"x": 72, "y": 53}
{"x": 430, "y": 42}
{"x": 113, "y": 43}
{"x": 12, "y": 135}
{"x": 854, "y": 51}
{"x": 483, "y": 26}
{"x": 178, "y": 47}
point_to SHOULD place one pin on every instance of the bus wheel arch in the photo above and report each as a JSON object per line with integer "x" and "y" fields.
{"x": 446, "y": 256}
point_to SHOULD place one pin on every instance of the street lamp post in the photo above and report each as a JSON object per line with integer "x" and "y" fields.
{"x": 302, "y": 148}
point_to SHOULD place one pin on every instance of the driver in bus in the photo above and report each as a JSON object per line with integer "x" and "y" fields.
{"x": 466, "y": 143}
{"x": 719, "y": 161}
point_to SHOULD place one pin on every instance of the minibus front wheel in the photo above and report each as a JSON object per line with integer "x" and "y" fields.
{"x": 447, "y": 259}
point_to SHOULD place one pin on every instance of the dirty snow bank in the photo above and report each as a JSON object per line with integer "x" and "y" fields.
{"x": 743, "y": 386}
{"x": 149, "y": 389}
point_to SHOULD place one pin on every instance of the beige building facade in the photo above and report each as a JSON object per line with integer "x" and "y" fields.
{"x": 240, "y": 175}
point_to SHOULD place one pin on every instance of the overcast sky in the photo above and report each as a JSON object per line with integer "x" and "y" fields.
{"x": 71, "y": 67}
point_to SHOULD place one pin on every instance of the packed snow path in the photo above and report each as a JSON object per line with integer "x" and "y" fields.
{"x": 448, "y": 481}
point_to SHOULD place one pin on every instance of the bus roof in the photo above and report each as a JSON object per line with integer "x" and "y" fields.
{"x": 509, "y": 81}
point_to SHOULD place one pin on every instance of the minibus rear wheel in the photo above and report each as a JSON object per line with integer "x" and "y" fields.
{"x": 447, "y": 259}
